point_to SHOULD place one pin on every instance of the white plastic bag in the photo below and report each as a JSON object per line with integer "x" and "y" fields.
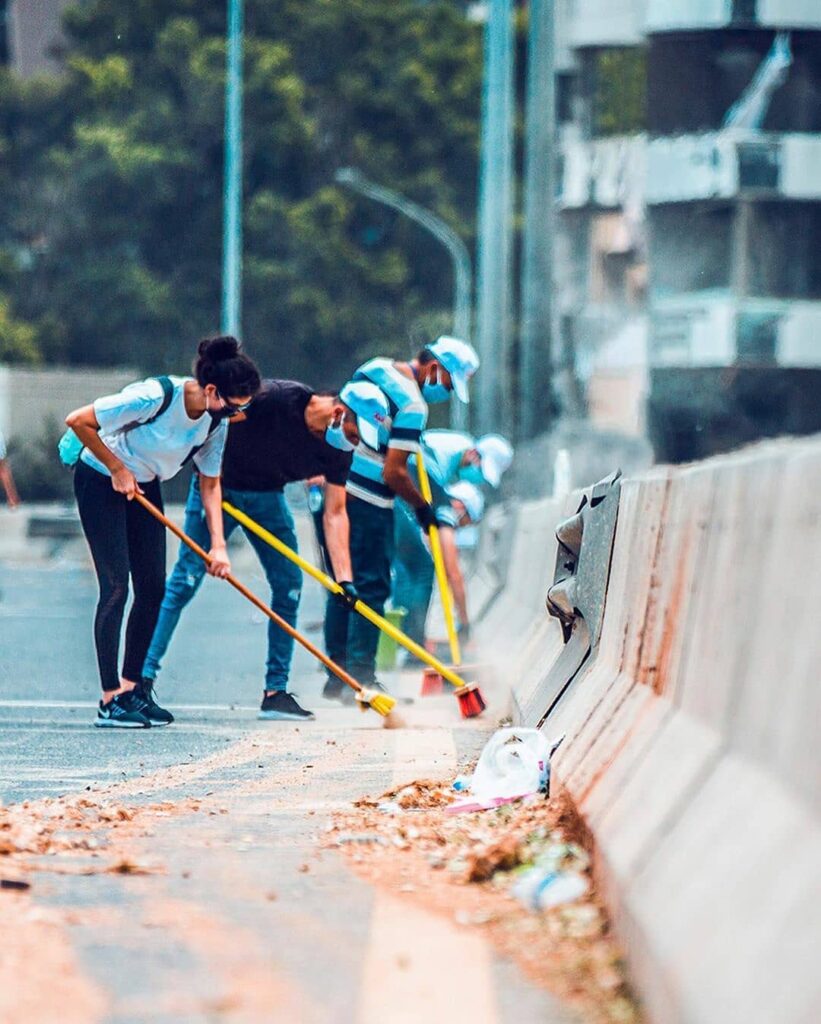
{"x": 514, "y": 763}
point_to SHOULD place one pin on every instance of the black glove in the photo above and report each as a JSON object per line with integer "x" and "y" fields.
{"x": 348, "y": 597}
{"x": 426, "y": 517}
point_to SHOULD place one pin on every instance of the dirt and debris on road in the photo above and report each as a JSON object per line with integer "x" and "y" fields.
{"x": 79, "y": 835}
{"x": 469, "y": 865}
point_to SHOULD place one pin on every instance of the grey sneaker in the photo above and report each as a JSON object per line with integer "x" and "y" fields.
{"x": 281, "y": 706}
{"x": 125, "y": 711}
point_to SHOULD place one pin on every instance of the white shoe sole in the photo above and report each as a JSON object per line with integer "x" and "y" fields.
{"x": 107, "y": 723}
{"x": 283, "y": 716}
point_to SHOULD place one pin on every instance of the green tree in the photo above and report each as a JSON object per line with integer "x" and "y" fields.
{"x": 113, "y": 187}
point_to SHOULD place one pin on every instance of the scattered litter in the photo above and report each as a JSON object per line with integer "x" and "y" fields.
{"x": 127, "y": 866}
{"x": 502, "y": 856}
{"x": 478, "y": 917}
{"x": 15, "y": 884}
{"x": 389, "y": 807}
{"x": 540, "y": 889}
{"x": 363, "y": 839}
{"x": 514, "y": 763}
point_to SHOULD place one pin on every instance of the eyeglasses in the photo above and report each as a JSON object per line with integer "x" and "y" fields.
{"x": 231, "y": 407}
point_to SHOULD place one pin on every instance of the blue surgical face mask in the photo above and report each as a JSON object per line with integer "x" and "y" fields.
{"x": 472, "y": 474}
{"x": 433, "y": 393}
{"x": 335, "y": 436}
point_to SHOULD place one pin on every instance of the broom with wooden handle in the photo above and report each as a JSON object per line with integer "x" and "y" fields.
{"x": 382, "y": 703}
{"x": 470, "y": 707}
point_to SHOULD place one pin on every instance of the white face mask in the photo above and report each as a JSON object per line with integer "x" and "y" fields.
{"x": 335, "y": 436}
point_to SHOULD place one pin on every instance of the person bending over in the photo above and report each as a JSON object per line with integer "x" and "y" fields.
{"x": 289, "y": 433}
{"x": 131, "y": 442}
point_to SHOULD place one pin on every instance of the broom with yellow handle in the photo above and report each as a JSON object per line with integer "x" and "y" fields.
{"x": 439, "y": 565}
{"x": 471, "y": 702}
{"x": 382, "y": 703}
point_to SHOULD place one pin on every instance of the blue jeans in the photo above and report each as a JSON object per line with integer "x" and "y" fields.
{"x": 269, "y": 509}
{"x": 350, "y": 639}
{"x": 413, "y": 573}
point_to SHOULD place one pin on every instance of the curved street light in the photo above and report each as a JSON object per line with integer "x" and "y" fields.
{"x": 462, "y": 270}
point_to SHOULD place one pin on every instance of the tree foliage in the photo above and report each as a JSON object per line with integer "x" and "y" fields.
{"x": 111, "y": 181}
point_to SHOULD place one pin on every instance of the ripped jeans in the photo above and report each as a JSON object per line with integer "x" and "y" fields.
{"x": 270, "y": 510}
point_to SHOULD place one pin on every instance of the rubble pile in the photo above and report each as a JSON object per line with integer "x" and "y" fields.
{"x": 520, "y": 871}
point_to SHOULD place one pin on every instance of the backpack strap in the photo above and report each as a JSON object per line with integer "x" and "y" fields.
{"x": 167, "y": 394}
{"x": 71, "y": 449}
{"x": 212, "y": 426}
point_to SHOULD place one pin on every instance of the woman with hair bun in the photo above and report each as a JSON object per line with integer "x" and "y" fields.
{"x": 131, "y": 442}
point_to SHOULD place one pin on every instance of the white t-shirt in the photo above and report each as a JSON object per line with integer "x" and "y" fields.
{"x": 3, "y": 449}
{"x": 155, "y": 450}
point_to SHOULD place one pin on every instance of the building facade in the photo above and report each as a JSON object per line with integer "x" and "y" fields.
{"x": 688, "y": 266}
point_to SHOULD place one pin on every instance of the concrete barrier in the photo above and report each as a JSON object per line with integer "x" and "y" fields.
{"x": 691, "y": 739}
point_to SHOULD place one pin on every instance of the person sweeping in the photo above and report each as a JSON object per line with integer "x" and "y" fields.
{"x": 442, "y": 368}
{"x": 290, "y": 433}
{"x": 132, "y": 441}
{"x": 457, "y": 506}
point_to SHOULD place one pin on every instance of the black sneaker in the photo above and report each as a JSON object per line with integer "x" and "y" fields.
{"x": 335, "y": 689}
{"x": 281, "y": 706}
{"x": 125, "y": 711}
{"x": 144, "y": 692}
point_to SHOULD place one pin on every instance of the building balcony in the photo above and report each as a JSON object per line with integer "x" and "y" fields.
{"x": 719, "y": 330}
{"x": 722, "y": 165}
{"x": 686, "y": 16}
{"x": 633, "y": 170}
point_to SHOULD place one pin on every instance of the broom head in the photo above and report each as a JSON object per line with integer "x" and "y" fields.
{"x": 382, "y": 703}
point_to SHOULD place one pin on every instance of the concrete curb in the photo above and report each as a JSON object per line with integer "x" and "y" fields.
{"x": 691, "y": 738}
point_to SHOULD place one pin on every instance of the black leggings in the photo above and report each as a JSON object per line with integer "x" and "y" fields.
{"x": 124, "y": 538}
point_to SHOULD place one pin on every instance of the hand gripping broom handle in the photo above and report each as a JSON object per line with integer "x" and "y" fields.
{"x": 334, "y": 588}
{"x": 439, "y": 565}
{"x": 235, "y": 583}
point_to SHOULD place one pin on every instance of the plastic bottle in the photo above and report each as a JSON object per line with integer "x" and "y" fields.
{"x": 315, "y": 497}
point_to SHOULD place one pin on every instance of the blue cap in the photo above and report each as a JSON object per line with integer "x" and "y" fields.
{"x": 369, "y": 405}
{"x": 470, "y": 496}
{"x": 460, "y": 360}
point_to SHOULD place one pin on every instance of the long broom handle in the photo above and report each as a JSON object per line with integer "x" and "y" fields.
{"x": 252, "y": 597}
{"x": 331, "y": 585}
{"x": 439, "y": 565}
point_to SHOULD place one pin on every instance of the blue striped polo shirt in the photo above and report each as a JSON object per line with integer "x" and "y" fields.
{"x": 408, "y": 414}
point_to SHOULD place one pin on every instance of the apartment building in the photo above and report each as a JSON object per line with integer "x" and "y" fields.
{"x": 689, "y": 256}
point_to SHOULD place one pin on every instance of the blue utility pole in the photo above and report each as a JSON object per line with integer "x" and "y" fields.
{"x": 231, "y": 318}
{"x": 538, "y": 231}
{"x": 495, "y": 222}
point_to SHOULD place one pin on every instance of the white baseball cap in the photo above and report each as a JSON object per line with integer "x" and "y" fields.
{"x": 496, "y": 454}
{"x": 369, "y": 405}
{"x": 459, "y": 358}
{"x": 470, "y": 496}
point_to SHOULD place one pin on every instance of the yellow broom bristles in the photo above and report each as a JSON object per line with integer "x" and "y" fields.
{"x": 382, "y": 703}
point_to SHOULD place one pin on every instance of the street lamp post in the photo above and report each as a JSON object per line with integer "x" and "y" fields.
{"x": 537, "y": 313}
{"x": 459, "y": 254}
{"x": 494, "y": 260}
{"x": 232, "y": 180}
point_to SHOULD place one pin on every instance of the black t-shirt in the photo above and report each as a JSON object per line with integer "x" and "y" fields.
{"x": 272, "y": 446}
